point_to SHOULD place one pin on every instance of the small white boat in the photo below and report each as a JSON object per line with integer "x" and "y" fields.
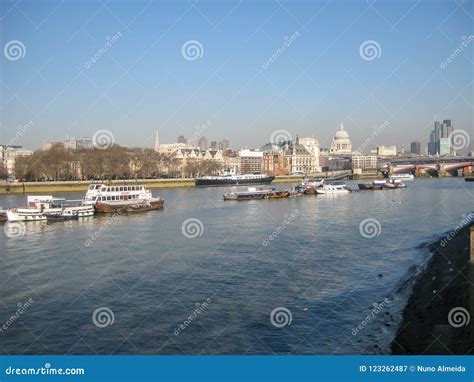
{"x": 25, "y": 215}
{"x": 402, "y": 177}
{"x": 333, "y": 188}
{"x": 40, "y": 207}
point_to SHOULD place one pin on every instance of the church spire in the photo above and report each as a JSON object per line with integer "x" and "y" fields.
{"x": 341, "y": 126}
{"x": 157, "y": 141}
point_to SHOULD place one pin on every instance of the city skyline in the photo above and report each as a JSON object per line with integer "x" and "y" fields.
{"x": 266, "y": 68}
{"x": 431, "y": 147}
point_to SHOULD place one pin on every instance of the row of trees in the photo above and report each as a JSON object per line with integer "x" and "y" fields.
{"x": 115, "y": 162}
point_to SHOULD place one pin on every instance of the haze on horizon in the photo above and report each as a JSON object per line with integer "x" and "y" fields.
{"x": 173, "y": 66}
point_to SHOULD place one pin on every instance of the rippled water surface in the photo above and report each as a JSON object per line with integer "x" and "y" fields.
{"x": 214, "y": 293}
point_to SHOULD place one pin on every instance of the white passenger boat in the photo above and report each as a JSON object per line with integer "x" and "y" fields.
{"x": 333, "y": 188}
{"x": 25, "y": 215}
{"x": 124, "y": 198}
{"x": 40, "y": 207}
{"x": 402, "y": 177}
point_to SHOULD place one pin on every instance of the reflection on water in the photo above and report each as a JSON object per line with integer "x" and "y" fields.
{"x": 152, "y": 277}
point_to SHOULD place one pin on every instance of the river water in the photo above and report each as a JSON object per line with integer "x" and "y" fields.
{"x": 298, "y": 276}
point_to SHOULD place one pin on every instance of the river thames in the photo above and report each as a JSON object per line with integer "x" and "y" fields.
{"x": 204, "y": 276}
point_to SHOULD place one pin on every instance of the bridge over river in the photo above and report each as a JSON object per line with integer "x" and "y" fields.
{"x": 429, "y": 165}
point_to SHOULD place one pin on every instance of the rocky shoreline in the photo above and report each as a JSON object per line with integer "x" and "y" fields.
{"x": 438, "y": 316}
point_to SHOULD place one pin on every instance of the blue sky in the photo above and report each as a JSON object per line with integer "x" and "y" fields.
{"x": 143, "y": 83}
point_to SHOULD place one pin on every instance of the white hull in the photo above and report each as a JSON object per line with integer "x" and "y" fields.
{"x": 32, "y": 214}
{"x": 25, "y": 215}
{"x": 403, "y": 177}
{"x": 334, "y": 188}
{"x": 82, "y": 212}
{"x": 332, "y": 192}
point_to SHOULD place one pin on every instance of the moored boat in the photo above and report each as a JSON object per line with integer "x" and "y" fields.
{"x": 25, "y": 215}
{"x": 251, "y": 194}
{"x": 39, "y": 206}
{"x": 233, "y": 179}
{"x": 402, "y": 177}
{"x": 366, "y": 186}
{"x": 384, "y": 184}
{"x": 59, "y": 217}
{"x": 469, "y": 178}
{"x": 333, "y": 188}
{"x": 278, "y": 195}
{"x": 134, "y": 198}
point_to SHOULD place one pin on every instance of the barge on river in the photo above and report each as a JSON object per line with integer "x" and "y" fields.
{"x": 253, "y": 193}
{"x": 382, "y": 185}
{"x": 233, "y": 180}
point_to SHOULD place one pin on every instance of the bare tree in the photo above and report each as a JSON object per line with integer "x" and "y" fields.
{"x": 3, "y": 172}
